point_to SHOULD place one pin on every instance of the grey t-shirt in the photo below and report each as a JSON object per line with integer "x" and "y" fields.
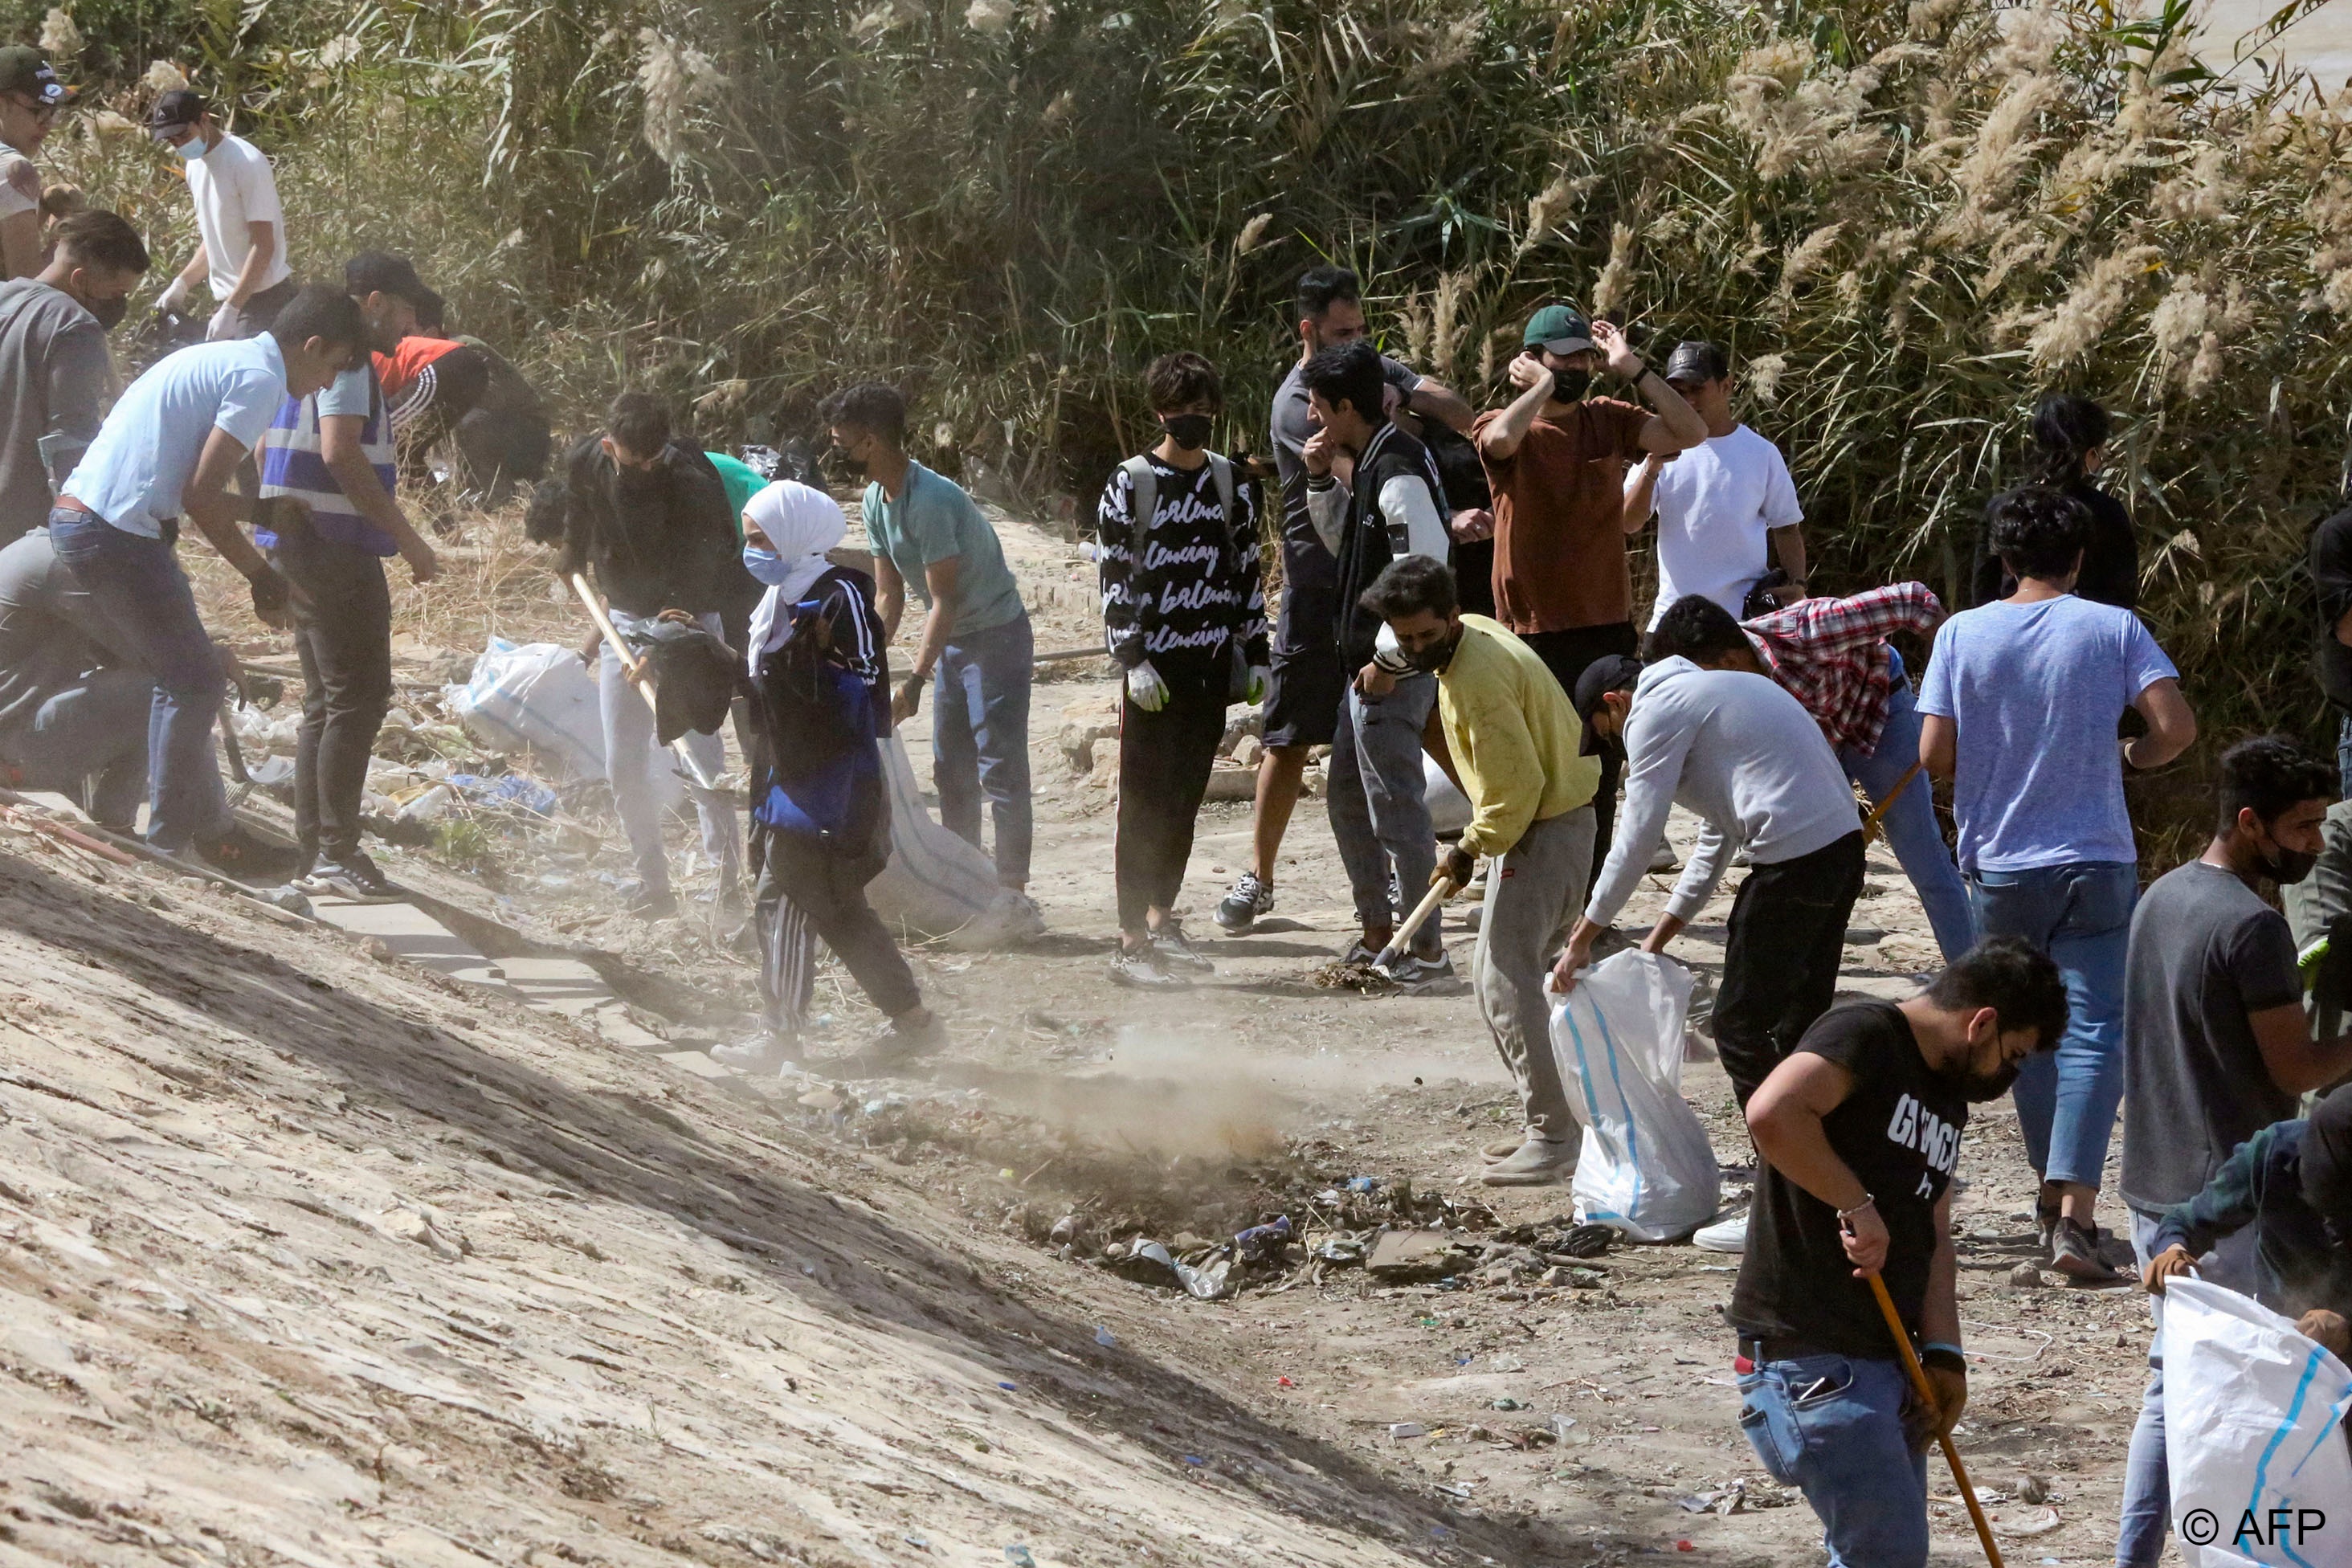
{"x": 2206, "y": 952}
{"x": 54, "y": 377}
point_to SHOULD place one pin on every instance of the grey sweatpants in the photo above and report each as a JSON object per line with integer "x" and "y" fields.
{"x": 1378, "y": 815}
{"x": 1533, "y": 895}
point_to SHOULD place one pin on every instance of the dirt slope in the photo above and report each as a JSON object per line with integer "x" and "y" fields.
{"x": 311, "y": 1258}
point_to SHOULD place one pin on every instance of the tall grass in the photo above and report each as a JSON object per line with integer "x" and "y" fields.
{"x": 1910, "y": 217}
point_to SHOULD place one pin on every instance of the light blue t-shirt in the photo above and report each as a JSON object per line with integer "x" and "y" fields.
{"x": 2036, "y": 691}
{"x": 147, "y": 450}
{"x": 932, "y": 520}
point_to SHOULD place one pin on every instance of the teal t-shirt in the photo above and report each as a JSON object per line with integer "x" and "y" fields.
{"x": 932, "y": 519}
{"x": 743, "y": 482}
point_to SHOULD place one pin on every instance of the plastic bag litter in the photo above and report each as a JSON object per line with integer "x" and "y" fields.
{"x": 518, "y": 790}
{"x": 1646, "y": 1168}
{"x": 538, "y": 695}
{"x": 2267, "y": 1450}
{"x": 1213, "y": 1280}
{"x": 937, "y": 885}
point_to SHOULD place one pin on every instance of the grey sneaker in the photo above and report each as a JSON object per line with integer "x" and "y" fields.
{"x": 1359, "y": 952}
{"x": 1143, "y": 969}
{"x": 355, "y": 879}
{"x": 1413, "y": 972}
{"x": 2074, "y": 1252}
{"x": 1540, "y": 1163}
{"x": 1238, "y": 913}
{"x": 1176, "y": 952}
{"x": 917, "y": 1033}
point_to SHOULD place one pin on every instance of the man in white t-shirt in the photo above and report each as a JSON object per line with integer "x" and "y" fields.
{"x": 243, "y": 253}
{"x": 30, "y": 97}
{"x": 1725, "y": 507}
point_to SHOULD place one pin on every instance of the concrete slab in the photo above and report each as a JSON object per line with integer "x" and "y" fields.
{"x": 413, "y": 934}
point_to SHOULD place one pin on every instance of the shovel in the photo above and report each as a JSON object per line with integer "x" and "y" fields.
{"x": 1439, "y": 891}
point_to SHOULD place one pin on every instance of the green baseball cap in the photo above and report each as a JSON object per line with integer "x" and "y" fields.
{"x": 24, "y": 68}
{"x": 1562, "y": 328}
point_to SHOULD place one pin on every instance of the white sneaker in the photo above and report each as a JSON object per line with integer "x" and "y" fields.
{"x": 1724, "y": 1236}
{"x": 762, "y": 1056}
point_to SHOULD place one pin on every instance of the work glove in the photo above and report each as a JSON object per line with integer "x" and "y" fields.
{"x": 1145, "y": 689}
{"x": 1457, "y": 868}
{"x": 1256, "y": 691}
{"x": 227, "y": 322}
{"x": 272, "y": 598}
{"x": 176, "y": 297}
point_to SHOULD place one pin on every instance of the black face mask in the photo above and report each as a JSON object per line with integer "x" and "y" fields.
{"x": 1190, "y": 431}
{"x": 110, "y": 312}
{"x": 1434, "y": 658}
{"x": 1567, "y": 385}
{"x": 1978, "y": 1089}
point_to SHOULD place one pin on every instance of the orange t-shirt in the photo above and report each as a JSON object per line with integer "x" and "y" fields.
{"x": 408, "y": 357}
{"x": 1559, "y": 504}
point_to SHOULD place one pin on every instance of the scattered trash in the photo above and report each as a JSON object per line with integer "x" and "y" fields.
{"x": 1263, "y": 1243}
{"x": 1195, "y": 1459}
{"x": 1284, "y": 1382}
{"x": 1684, "y": 1546}
{"x": 1009, "y": 1387}
{"x": 1105, "y": 1337}
{"x": 1342, "y": 1251}
{"x": 519, "y": 791}
{"x": 1020, "y": 1557}
{"x": 1363, "y": 1184}
{"x": 1559, "y": 1425}
{"x": 1212, "y": 1282}
{"x": 1400, "y": 1430}
{"x": 1507, "y": 1402}
{"x": 1064, "y": 1229}
{"x": 1405, "y": 1255}
{"x": 1146, "y": 1263}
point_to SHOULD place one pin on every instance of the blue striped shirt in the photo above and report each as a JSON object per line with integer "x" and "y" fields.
{"x": 292, "y": 463}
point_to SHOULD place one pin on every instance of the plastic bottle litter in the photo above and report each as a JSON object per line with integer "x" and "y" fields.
{"x": 1211, "y": 1281}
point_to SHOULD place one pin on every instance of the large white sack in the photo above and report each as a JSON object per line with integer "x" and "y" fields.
{"x": 2253, "y": 1434}
{"x": 1449, "y": 808}
{"x": 538, "y": 695}
{"x": 936, "y": 884}
{"x": 1647, "y": 1167}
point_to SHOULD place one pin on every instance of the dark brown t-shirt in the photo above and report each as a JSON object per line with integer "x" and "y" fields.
{"x": 1559, "y": 504}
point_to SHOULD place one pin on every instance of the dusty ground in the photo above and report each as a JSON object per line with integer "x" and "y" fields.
{"x": 315, "y": 1258}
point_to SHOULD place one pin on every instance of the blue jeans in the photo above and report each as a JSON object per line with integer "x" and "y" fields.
{"x": 2148, "y": 1478}
{"x": 1378, "y": 812}
{"x": 136, "y": 582}
{"x": 90, "y": 740}
{"x": 1910, "y": 823}
{"x": 980, "y": 741}
{"x": 1844, "y": 1447}
{"x": 2080, "y": 915}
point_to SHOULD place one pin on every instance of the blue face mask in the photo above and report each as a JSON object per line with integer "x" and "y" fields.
{"x": 192, "y": 149}
{"x": 765, "y": 565}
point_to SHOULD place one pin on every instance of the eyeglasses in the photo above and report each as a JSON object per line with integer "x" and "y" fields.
{"x": 43, "y": 112}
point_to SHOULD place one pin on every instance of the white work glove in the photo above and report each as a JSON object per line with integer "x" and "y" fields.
{"x": 1145, "y": 689}
{"x": 227, "y": 322}
{"x": 176, "y": 297}
{"x": 1258, "y": 675}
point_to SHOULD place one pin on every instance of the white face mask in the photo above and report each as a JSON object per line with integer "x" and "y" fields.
{"x": 194, "y": 149}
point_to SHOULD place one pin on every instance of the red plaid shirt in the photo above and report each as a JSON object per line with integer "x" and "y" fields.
{"x": 1832, "y": 656}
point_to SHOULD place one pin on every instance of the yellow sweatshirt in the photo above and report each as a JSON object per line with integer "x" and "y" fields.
{"x": 1514, "y": 736}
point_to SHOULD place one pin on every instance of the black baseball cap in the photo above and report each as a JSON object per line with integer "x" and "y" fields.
{"x": 1697, "y": 361}
{"x": 381, "y": 272}
{"x": 24, "y": 68}
{"x": 176, "y": 111}
{"x": 1611, "y": 672}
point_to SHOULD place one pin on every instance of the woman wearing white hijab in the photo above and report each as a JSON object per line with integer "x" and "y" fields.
{"x": 820, "y": 813}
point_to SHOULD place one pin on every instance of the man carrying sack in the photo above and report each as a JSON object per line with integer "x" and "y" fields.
{"x": 1519, "y": 751}
{"x": 1860, "y": 1130}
